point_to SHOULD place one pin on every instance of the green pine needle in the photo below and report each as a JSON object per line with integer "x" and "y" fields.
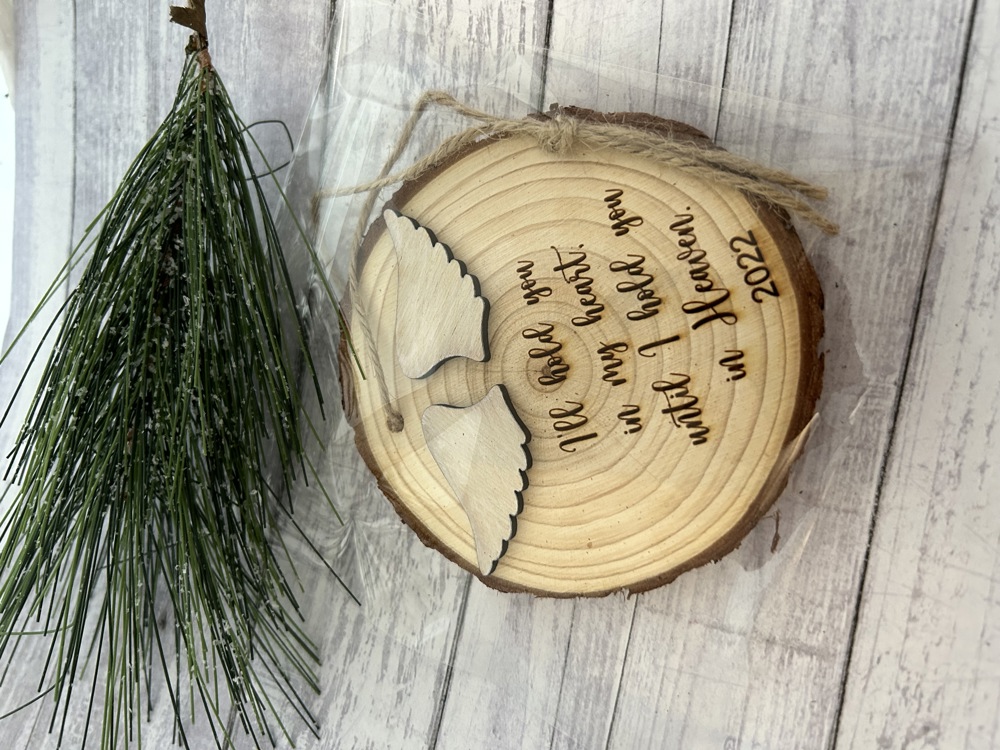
{"x": 139, "y": 470}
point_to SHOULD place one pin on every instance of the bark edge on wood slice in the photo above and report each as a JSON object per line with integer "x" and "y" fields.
{"x": 655, "y": 334}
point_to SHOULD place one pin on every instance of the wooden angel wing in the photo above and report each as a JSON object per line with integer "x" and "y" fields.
{"x": 440, "y": 313}
{"x": 482, "y": 452}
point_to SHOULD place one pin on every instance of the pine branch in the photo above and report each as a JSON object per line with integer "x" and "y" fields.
{"x": 139, "y": 471}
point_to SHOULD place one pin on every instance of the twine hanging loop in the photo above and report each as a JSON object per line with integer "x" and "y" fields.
{"x": 558, "y": 132}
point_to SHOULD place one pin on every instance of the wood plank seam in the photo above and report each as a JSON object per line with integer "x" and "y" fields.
{"x": 562, "y": 679}
{"x": 904, "y": 374}
{"x": 621, "y": 675}
{"x": 449, "y": 670}
{"x": 540, "y": 105}
{"x": 725, "y": 69}
{"x": 543, "y": 57}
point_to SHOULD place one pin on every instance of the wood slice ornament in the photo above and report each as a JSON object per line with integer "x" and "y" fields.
{"x": 650, "y": 345}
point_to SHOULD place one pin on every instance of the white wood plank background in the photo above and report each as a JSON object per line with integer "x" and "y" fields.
{"x": 876, "y": 621}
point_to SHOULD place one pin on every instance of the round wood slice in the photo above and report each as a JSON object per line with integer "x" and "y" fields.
{"x": 654, "y": 335}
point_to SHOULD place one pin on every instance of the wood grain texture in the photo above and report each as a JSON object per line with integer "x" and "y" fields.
{"x": 925, "y": 670}
{"x": 482, "y": 451}
{"x": 607, "y": 508}
{"x": 389, "y": 666}
{"x": 602, "y": 57}
{"x": 784, "y": 626}
{"x": 385, "y": 55}
{"x": 440, "y": 314}
{"x": 595, "y": 633}
{"x": 749, "y": 652}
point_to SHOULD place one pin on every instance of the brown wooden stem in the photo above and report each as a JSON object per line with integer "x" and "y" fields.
{"x": 194, "y": 18}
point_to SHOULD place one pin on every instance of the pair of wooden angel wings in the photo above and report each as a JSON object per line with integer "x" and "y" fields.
{"x": 480, "y": 449}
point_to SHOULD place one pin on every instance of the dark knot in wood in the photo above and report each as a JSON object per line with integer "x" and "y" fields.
{"x": 394, "y": 421}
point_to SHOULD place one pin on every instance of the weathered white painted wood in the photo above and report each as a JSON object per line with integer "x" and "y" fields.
{"x": 748, "y": 652}
{"x": 759, "y": 653}
{"x": 502, "y": 695}
{"x": 533, "y": 673}
{"x": 601, "y": 58}
{"x": 7, "y": 45}
{"x": 387, "y": 667}
{"x": 925, "y": 670}
{"x": 387, "y": 54}
{"x": 43, "y": 193}
{"x": 42, "y": 234}
{"x": 602, "y": 55}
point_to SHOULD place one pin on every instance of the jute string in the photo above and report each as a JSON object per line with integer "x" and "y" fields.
{"x": 557, "y": 132}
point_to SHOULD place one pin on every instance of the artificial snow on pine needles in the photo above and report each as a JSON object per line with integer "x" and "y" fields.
{"x": 140, "y": 473}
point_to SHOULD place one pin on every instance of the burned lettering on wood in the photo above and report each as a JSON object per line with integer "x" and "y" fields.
{"x": 639, "y": 283}
{"x": 629, "y": 415}
{"x": 612, "y": 364}
{"x": 682, "y": 407}
{"x": 700, "y": 272}
{"x": 734, "y": 363}
{"x": 570, "y": 420}
{"x": 528, "y": 284}
{"x": 620, "y": 220}
{"x": 648, "y": 350}
{"x": 634, "y": 276}
{"x": 750, "y": 258}
{"x": 555, "y": 368}
{"x": 574, "y": 272}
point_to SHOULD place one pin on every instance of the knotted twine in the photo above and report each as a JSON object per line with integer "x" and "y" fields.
{"x": 557, "y": 132}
